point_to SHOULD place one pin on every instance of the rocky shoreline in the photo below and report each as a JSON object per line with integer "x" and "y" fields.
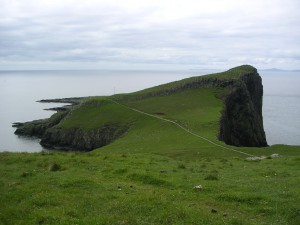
{"x": 72, "y": 138}
{"x": 69, "y": 101}
{"x": 37, "y": 128}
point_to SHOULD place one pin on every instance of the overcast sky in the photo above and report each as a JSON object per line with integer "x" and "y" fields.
{"x": 154, "y": 34}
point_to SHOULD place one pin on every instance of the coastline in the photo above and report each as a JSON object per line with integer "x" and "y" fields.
{"x": 23, "y": 107}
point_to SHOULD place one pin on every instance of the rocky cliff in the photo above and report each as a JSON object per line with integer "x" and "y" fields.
{"x": 241, "y": 123}
{"x": 79, "y": 139}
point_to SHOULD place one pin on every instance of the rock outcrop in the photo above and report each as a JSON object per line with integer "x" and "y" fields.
{"x": 37, "y": 128}
{"x": 241, "y": 123}
{"x": 79, "y": 139}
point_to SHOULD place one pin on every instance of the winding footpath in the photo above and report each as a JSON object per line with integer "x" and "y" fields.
{"x": 183, "y": 128}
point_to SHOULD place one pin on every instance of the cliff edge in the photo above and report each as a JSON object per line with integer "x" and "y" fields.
{"x": 241, "y": 122}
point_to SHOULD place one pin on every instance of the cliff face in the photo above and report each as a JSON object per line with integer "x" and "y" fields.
{"x": 241, "y": 122}
{"x": 68, "y": 139}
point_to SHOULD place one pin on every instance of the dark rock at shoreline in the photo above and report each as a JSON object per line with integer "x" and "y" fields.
{"x": 53, "y": 137}
{"x": 17, "y": 124}
{"x": 84, "y": 140}
{"x": 37, "y": 128}
{"x": 57, "y": 109}
{"x": 72, "y": 101}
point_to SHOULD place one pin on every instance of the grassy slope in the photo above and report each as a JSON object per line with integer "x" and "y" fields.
{"x": 141, "y": 188}
{"x": 198, "y": 110}
{"x": 229, "y": 74}
{"x": 147, "y": 176}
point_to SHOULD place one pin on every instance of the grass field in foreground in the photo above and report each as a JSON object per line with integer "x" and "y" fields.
{"x": 141, "y": 188}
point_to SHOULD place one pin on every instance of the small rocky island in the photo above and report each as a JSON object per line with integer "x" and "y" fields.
{"x": 240, "y": 123}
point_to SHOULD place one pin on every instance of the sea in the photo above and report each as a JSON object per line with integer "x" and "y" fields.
{"x": 20, "y": 91}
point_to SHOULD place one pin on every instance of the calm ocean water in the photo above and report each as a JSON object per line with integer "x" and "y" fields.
{"x": 281, "y": 107}
{"x": 19, "y": 91}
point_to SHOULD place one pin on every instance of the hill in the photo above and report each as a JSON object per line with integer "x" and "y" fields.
{"x": 156, "y": 156}
{"x": 225, "y": 106}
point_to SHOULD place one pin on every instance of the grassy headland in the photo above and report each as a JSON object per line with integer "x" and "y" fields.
{"x": 148, "y": 173}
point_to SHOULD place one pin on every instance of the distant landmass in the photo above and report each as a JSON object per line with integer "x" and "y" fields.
{"x": 280, "y": 70}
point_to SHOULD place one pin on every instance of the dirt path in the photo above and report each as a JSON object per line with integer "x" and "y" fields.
{"x": 183, "y": 128}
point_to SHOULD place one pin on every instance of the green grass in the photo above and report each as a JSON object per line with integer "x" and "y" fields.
{"x": 148, "y": 175}
{"x": 141, "y": 188}
{"x": 96, "y": 112}
{"x": 233, "y": 73}
{"x": 197, "y": 109}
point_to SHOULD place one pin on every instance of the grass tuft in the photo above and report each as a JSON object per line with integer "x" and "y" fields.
{"x": 54, "y": 167}
{"x": 211, "y": 177}
{"x": 181, "y": 166}
{"x": 147, "y": 179}
{"x": 25, "y": 174}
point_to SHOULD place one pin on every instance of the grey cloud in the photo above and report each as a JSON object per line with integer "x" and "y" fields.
{"x": 111, "y": 34}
